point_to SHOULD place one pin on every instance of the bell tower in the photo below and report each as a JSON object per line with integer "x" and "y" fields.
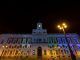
{"x": 39, "y": 34}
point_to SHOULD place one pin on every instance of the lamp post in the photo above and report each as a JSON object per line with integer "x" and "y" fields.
{"x": 62, "y": 27}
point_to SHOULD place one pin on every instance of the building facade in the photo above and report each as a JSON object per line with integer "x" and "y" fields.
{"x": 40, "y": 44}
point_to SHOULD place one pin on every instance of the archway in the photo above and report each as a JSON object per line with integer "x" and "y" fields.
{"x": 39, "y": 52}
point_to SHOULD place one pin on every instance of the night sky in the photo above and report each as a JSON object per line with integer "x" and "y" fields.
{"x": 22, "y": 16}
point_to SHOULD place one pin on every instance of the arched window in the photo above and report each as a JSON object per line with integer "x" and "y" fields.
{"x": 59, "y": 40}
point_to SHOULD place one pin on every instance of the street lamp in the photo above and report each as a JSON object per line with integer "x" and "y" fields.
{"x": 63, "y": 26}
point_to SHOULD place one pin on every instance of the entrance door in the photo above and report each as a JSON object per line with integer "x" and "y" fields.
{"x": 39, "y": 52}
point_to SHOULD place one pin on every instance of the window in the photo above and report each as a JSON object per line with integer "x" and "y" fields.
{"x": 55, "y": 41}
{"x": 16, "y": 40}
{"x": 28, "y": 46}
{"x": 64, "y": 46}
{"x": 29, "y": 40}
{"x": 33, "y": 52}
{"x": 15, "y": 46}
{"x": 79, "y": 40}
{"x": 63, "y": 40}
{"x": 9, "y": 46}
{"x": 51, "y": 52}
{"x": 44, "y": 52}
{"x": 44, "y": 40}
{"x": 25, "y": 46}
{"x": 8, "y": 41}
{"x": 56, "y": 51}
{"x": 26, "y": 40}
{"x": 67, "y": 51}
{"x": 28, "y": 52}
{"x": 69, "y": 40}
{"x": 34, "y": 32}
{"x": 13, "y": 40}
{"x": 62, "y": 51}
{"x": 50, "y": 40}
{"x": 20, "y": 46}
{"x": 59, "y": 40}
{"x": 19, "y": 40}
{"x": 75, "y": 40}
{"x": 39, "y": 40}
{"x": 55, "y": 45}
{"x": 50, "y": 45}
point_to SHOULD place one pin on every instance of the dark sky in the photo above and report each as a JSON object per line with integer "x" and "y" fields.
{"x": 22, "y": 16}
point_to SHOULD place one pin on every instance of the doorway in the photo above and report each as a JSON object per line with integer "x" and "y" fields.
{"x": 39, "y": 52}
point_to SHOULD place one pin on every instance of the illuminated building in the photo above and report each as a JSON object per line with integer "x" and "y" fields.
{"x": 40, "y": 44}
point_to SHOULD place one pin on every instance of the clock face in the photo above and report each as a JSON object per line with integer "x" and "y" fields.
{"x": 39, "y": 25}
